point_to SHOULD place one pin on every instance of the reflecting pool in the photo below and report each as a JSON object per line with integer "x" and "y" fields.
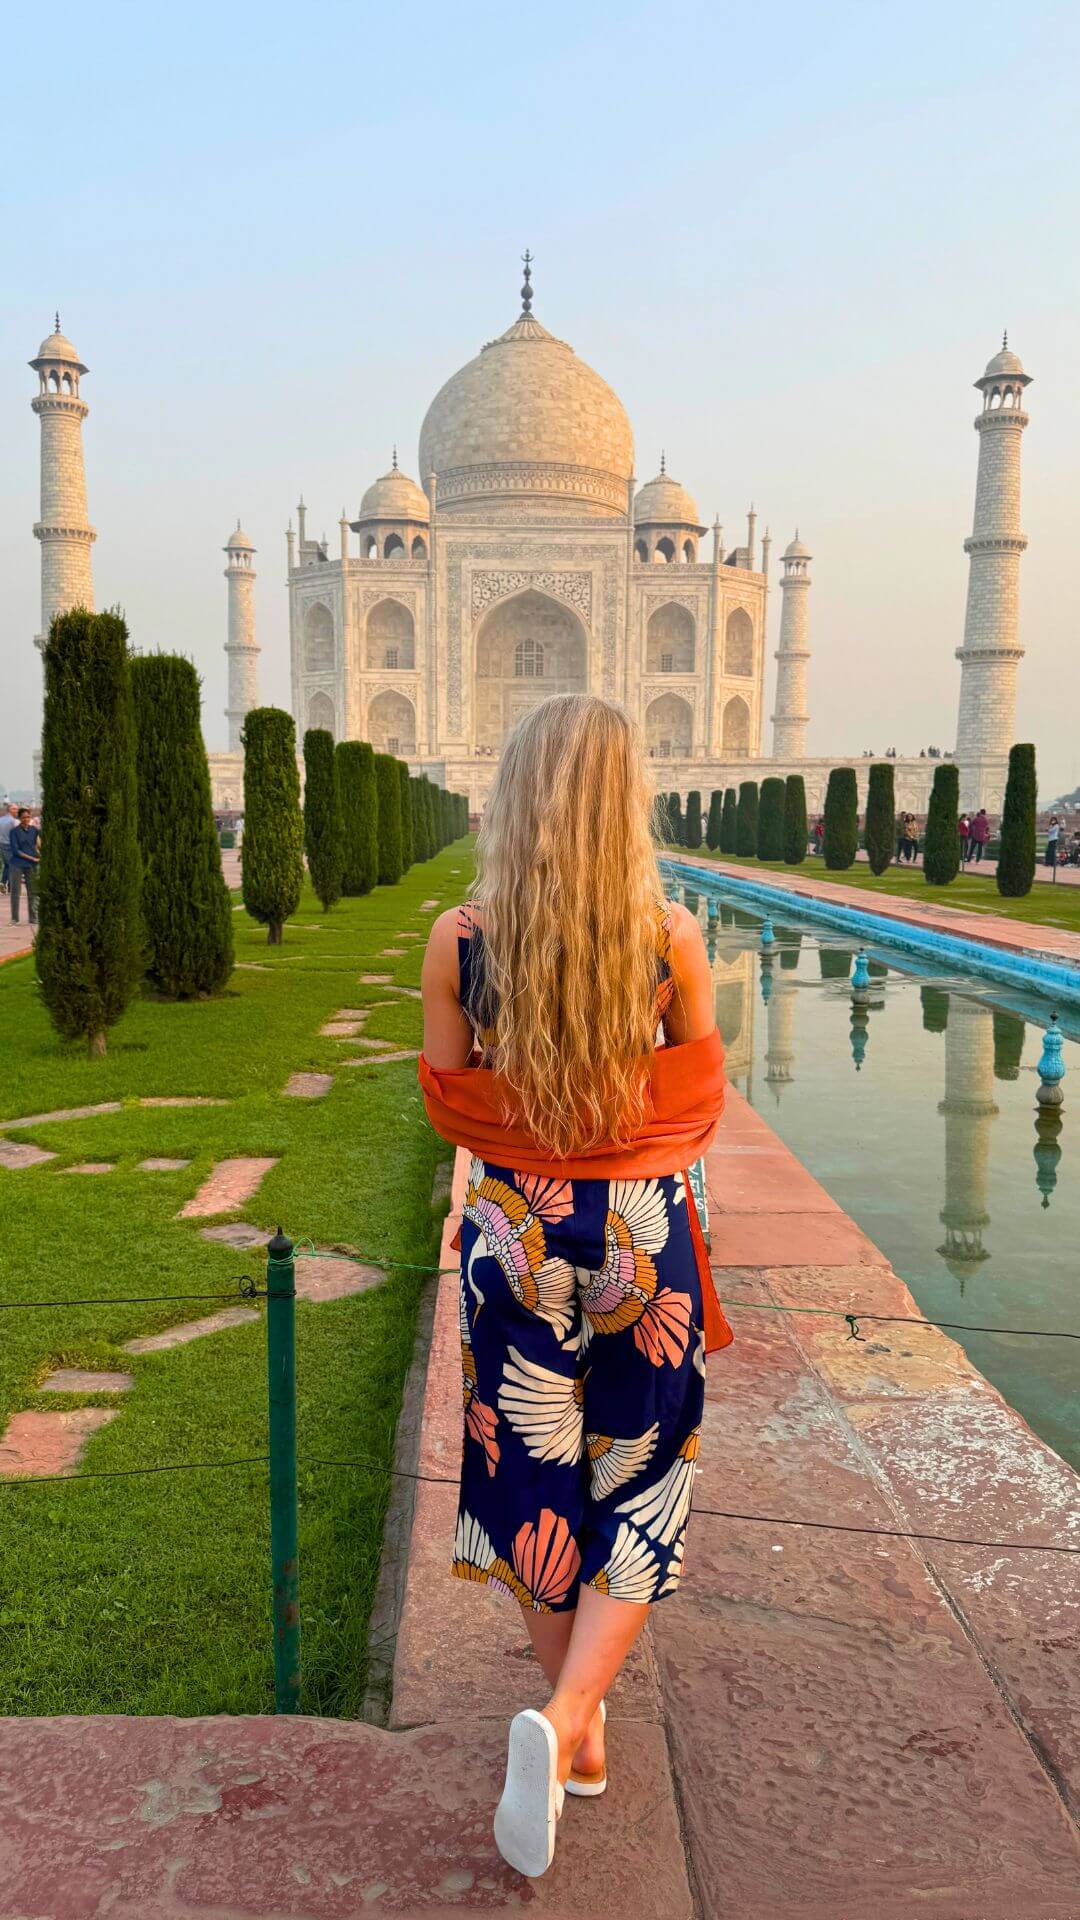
{"x": 914, "y": 1105}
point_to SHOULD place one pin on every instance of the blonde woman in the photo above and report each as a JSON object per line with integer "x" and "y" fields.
{"x": 586, "y": 1307}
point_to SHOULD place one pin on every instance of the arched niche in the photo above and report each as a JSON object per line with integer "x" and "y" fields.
{"x": 735, "y": 739}
{"x": 320, "y": 711}
{"x": 670, "y": 640}
{"x": 318, "y": 639}
{"x": 391, "y": 724}
{"x": 669, "y": 727}
{"x": 739, "y": 643}
{"x": 526, "y": 648}
{"x": 391, "y": 637}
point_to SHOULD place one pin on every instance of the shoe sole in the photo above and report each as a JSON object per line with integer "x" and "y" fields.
{"x": 526, "y": 1815}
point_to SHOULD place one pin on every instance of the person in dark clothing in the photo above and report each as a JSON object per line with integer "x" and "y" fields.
{"x": 980, "y": 834}
{"x": 23, "y": 866}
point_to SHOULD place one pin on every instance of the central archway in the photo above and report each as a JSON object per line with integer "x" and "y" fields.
{"x": 527, "y": 648}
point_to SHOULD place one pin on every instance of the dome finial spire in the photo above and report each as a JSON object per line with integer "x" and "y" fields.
{"x": 393, "y": 467}
{"x": 57, "y": 319}
{"x": 1004, "y": 339}
{"x": 526, "y": 290}
{"x": 663, "y": 462}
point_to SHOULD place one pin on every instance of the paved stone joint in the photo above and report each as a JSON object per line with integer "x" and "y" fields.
{"x": 189, "y": 1330}
{"x": 14, "y": 1155}
{"x": 83, "y": 1380}
{"x": 158, "y": 1164}
{"x": 308, "y": 1086}
{"x": 231, "y": 1184}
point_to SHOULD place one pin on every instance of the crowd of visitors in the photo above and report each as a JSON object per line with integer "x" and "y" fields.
{"x": 974, "y": 831}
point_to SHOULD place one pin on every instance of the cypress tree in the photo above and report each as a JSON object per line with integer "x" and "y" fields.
{"x": 421, "y": 841}
{"x": 729, "y": 822}
{"x": 443, "y": 804}
{"x": 747, "y": 818}
{"x": 89, "y": 951}
{"x": 324, "y": 833}
{"x": 272, "y": 856}
{"x": 1016, "y": 857}
{"x": 716, "y": 811}
{"x": 795, "y": 822}
{"x": 770, "y": 829}
{"x": 407, "y": 847}
{"x": 359, "y": 815}
{"x": 941, "y": 846}
{"x": 880, "y": 816}
{"x": 186, "y": 906}
{"x": 675, "y": 820}
{"x": 432, "y": 816}
{"x": 389, "y": 790}
{"x": 841, "y": 819}
{"x": 692, "y": 831}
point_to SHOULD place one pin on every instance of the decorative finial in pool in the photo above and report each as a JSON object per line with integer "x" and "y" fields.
{"x": 766, "y": 965}
{"x": 1051, "y": 1069}
{"x": 860, "y": 978}
{"x": 1047, "y": 1152}
{"x": 860, "y": 1031}
{"x": 768, "y": 937}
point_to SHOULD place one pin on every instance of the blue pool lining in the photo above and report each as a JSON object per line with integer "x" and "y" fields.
{"x": 1058, "y": 979}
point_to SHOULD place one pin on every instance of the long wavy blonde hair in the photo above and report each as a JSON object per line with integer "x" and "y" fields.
{"x": 571, "y": 898}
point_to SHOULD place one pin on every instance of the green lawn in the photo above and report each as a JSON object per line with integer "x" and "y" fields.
{"x": 150, "y": 1594}
{"x": 1047, "y": 905}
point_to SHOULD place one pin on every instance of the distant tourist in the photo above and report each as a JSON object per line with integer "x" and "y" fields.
{"x": 23, "y": 866}
{"x": 980, "y": 834}
{"x": 963, "y": 827}
{"x": 8, "y": 818}
{"x": 1053, "y": 835}
{"x": 817, "y": 838}
{"x": 577, "y": 1466}
{"x": 907, "y": 840}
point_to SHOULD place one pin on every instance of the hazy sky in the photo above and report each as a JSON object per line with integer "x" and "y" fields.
{"x": 788, "y": 237}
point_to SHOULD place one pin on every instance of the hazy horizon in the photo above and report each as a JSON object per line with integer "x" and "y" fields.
{"x": 790, "y": 251}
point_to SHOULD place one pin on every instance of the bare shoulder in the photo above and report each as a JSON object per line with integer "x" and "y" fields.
{"x": 443, "y": 938}
{"x": 685, "y": 929}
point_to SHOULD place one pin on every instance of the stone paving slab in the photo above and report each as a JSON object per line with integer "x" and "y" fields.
{"x": 238, "y": 1234}
{"x": 60, "y": 1113}
{"x": 376, "y": 979}
{"x": 231, "y": 1184}
{"x": 15, "y": 1156}
{"x": 301, "y": 1819}
{"x": 36, "y": 1444}
{"x": 91, "y": 1166}
{"x": 181, "y": 1100}
{"x": 331, "y": 1277}
{"x": 308, "y": 1086}
{"x": 382, "y": 1059}
{"x": 159, "y": 1163}
{"x": 188, "y": 1330}
{"x": 84, "y": 1380}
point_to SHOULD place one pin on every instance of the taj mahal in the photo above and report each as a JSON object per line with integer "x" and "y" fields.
{"x": 526, "y": 560}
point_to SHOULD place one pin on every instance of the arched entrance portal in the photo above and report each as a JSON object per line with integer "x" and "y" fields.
{"x": 526, "y": 648}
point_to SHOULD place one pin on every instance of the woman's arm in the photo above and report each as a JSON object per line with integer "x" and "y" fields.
{"x": 691, "y": 1015}
{"x": 448, "y": 1037}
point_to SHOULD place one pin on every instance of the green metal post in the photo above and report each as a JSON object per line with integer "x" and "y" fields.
{"x": 281, "y": 1375}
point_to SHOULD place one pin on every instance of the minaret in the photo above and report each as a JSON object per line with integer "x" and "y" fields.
{"x": 791, "y": 718}
{"x": 240, "y": 646}
{"x": 63, "y": 529}
{"x": 991, "y": 651}
{"x": 969, "y": 1109}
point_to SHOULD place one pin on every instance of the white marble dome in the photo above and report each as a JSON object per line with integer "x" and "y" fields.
{"x": 393, "y": 496}
{"x": 57, "y": 347}
{"x": 527, "y": 419}
{"x": 664, "y": 503}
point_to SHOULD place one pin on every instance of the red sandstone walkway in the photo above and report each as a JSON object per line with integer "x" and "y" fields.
{"x": 822, "y": 1726}
{"x": 993, "y": 929}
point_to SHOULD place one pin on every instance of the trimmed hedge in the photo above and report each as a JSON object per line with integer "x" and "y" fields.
{"x": 389, "y": 792}
{"x": 89, "y": 950}
{"x": 692, "y": 829}
{"x": 324, "y": 834}
{"x": 408, "y": 853}
{"x": 675, "y": 820}
{"x": 770, "y": 827}
{"x": 881, "y": 816}
{"x": 746, "y": 821}
{"x": 941, "y": 842}
{"x": 729, "y": 822}
{"x": 796, "y": 827}
{"x": 359, "y": 814}
{"x": 716, "y": 814}
{"x": 841, "y": 819}
{"x": 1016, "y": 860}
{"x": 272, "y": 856}
{"x": 186, "y": 906}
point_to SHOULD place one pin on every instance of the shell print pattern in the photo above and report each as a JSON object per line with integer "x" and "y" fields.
{"x": 480, "y": 1420}
{"x": 625, "y": 1292}
{"x": 544, "y": 1408}
{"x": 546, "y": 1560}
{"x": 613, "y": 1462}
{"x": 631, "y": 1571}
{"x": 510, "y": 1229}
{"x": 661, "y": 1511}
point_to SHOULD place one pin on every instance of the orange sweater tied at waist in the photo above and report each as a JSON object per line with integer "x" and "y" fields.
{"x": 684, "y": 1101}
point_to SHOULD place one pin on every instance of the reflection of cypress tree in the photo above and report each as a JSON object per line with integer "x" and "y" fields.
{"x": 1008, "y": 1044}
{"x": 692, "y": 829}
{"x": 716, "y": 809}
{"x": 935, "y": 1009}
{"x": 691, "y": 901}
{"x": 791, "y": 948}
{"x": 727, "y": 914}
{"x": 877, "y": 969}
{"x": 835, "y": 963}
